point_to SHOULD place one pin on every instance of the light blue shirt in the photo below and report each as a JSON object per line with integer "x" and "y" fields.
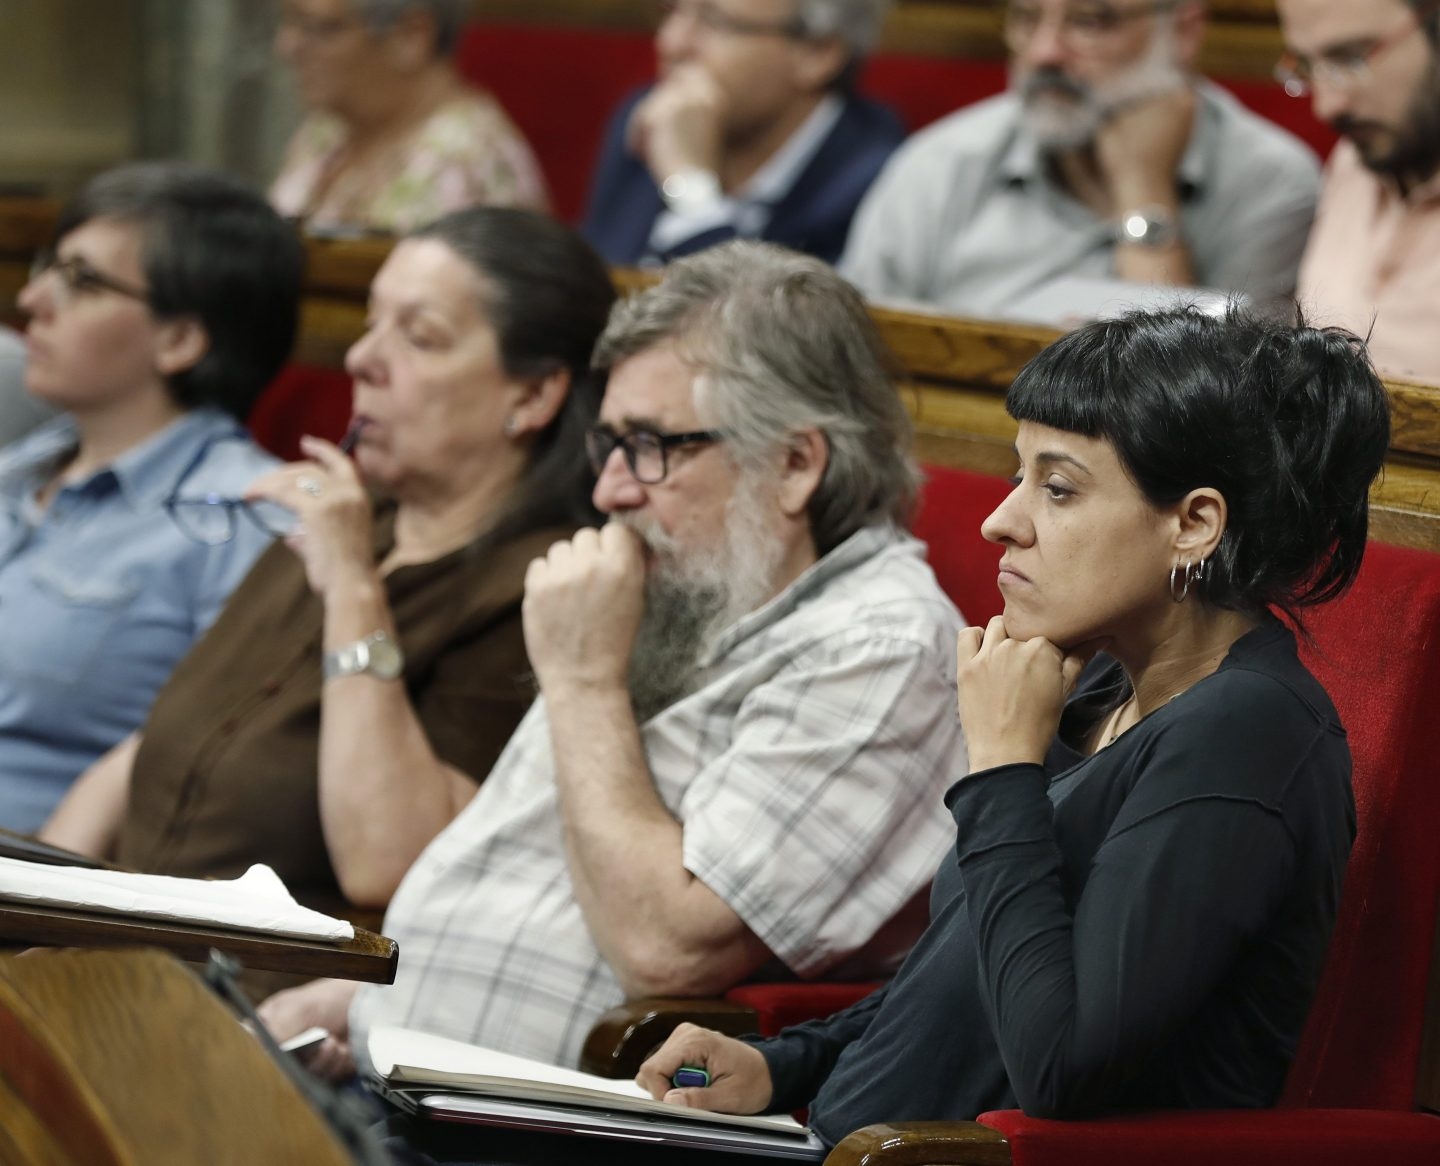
{"x": 966, "y": 217}
{"x": 101, "y": 594}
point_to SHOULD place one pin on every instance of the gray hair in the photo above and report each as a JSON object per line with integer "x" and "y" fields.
{"x": 449, "y": 16}
{"x": 781, "y": 343}
{"x": 856, "y": 22}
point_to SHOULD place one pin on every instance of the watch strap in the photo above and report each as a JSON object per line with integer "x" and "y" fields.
{"x": 378, "y": 654}
{"x": 688, "y": 192}
{"x": 1150, "y": 226}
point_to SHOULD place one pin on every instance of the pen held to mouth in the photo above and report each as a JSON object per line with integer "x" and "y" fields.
{"x": 352, "y": 435}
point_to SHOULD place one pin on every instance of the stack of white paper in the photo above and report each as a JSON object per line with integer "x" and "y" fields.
{"x": 256, "y": 901}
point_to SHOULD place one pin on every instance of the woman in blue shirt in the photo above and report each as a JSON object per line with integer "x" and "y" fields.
{"x": 168, "y": 302}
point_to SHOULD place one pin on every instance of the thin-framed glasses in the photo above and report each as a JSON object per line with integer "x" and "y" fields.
{"x": 78, "y": 277}
{"x": 711, "y": 18}
{"x": 212, "y": 518}
{"x": 645, "y": 449}
{"x": 1348, "y": 65}
{"x": 1084, "y": 26}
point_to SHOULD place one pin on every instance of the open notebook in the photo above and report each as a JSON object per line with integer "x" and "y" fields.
{"x": 447, "y": 1080}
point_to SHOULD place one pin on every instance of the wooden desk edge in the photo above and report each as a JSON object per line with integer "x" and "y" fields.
{"x": 369, "y": 958}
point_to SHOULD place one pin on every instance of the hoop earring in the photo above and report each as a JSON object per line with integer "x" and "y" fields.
{"x": 1191, "y": 575}
{"x": 1179, "y": 593}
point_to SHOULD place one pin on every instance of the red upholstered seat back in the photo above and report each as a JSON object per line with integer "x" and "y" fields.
{"x": 925, "y": 89}
{"x": 560, "y": 87}
{"x": 302, "y": 400}
{"x": 781, "y": 1005}
{"x": 1377, "y": 651}
{"x": 953, "y": 504}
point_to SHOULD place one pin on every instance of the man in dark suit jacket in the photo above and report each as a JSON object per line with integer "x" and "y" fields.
{"x": 753, "y": 130}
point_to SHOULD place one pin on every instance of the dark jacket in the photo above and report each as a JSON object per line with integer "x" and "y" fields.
{"x": 813, "y": 217}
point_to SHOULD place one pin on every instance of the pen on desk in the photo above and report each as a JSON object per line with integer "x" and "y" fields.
{"x": 690, "y": 1077}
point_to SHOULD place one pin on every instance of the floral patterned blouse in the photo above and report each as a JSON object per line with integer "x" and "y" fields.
{"x": 467, "y": 152}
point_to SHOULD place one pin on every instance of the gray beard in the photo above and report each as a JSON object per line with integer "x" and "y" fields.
{"x": 693, "y": 595}
{"x": 1069, "y": 124}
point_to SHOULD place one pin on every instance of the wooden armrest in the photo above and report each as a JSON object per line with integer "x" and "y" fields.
{"x": 922, "y": 1143}
{"x": 624, "y": 1036}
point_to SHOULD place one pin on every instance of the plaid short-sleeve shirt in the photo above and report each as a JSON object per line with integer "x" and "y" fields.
{"x": 806, "y": 769}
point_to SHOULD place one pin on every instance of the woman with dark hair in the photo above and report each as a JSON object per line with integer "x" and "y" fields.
{"x": 1149, "y": 847}
{"x": 169, "y": 299}
{"x": 368, "y": 672}
{"x": 394, "y": 136}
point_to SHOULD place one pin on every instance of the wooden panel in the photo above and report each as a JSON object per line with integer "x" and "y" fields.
{"x": 922, "y": 1143}
{"x": 959, "y": 349}
{"x": 954, "y": 370}
{"x": 124, "y": 1059}
{"x": 368, "y": 957}
{"x": 1243, "y": 40}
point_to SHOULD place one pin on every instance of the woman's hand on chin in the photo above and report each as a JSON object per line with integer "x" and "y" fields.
{"x": 335, "y": 536}
{"x": 1011, "y": 693}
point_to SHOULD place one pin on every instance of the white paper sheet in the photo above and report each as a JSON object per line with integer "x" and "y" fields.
{"x": 256, "y": 901}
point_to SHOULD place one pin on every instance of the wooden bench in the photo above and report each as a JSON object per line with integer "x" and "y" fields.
{"x": 955, "y": 371}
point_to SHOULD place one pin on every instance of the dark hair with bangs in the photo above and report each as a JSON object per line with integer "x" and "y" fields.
{"x": 1290, "y": 424}
{"x": 214, "y": 249}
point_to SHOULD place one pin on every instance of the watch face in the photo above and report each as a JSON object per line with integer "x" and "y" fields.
{"x": 385, "y": 660}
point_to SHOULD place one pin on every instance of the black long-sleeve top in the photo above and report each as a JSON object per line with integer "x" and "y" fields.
{"x": 1139, "y": 928}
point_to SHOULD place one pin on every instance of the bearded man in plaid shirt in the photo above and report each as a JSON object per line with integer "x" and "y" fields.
{"x": 747, "y": 710}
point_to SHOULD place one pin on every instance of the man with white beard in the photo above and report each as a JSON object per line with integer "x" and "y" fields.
{"x": 747, "y": 713}
{"x": 1106, "y": 159}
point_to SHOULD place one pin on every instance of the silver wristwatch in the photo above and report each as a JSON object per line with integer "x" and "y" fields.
{"x": 688, "y": 192}
{"x": 1148, "y": 227}
{"x": 376, "y": 654}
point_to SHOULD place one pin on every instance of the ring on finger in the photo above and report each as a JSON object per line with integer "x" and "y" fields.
{"x": 309, "y": 485}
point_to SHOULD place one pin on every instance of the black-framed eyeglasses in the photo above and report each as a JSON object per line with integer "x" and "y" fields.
{"x": 211, "y": 518}
{"x": 79, "y": 277}
{"x": 711, "y": 18}
{"x": 1349, "y": 65}
{"x": 645, "y": 450}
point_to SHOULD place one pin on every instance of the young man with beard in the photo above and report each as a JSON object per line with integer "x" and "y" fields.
{"x": 1107, "y": 158}
{"x": 746, "y": 716}
{"x": 753, "y": 130}
{"x": 1372, "y": 70}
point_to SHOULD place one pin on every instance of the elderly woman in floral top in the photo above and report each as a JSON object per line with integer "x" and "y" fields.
{"x": 394, "y": 137}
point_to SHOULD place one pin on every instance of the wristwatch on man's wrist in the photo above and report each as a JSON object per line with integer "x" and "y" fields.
{"x": 377, "y": 654}
{"x": 1151, "y": 226}
{"x": 687, "y": 192}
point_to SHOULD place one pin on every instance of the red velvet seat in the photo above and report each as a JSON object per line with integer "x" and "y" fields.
{"x": 953, "y": 504}
{"x": 303, "y": 399}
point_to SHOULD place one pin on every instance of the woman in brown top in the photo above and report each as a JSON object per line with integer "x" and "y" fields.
{"x": 472, "y": 396}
